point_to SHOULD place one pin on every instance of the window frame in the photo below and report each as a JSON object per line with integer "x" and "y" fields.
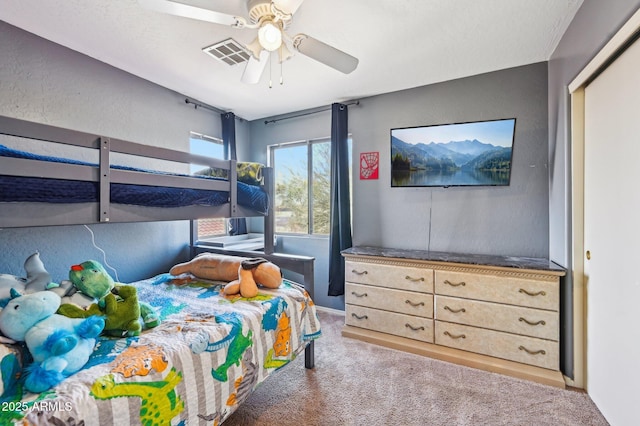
{"x": 309, "y": 143}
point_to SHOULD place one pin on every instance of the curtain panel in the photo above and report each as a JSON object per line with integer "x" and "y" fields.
{"x": 340, "y": 211}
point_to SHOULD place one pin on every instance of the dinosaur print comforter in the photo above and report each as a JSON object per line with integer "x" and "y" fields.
{"x": 195, "y": 368}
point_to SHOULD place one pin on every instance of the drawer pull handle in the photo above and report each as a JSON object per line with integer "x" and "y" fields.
{"x": 414, "y": 279}
{"x": 459, "y": 336}
{"x": 528, "y": 293}
{"x": 461, "y": 283}
{"x": 455, "y": 311}
{"x": 407, "y": 325}
{"x": 359, "y": 273}
{"x": 541, "y": 351}
{"x": 541, "y": 322}
{"x": 413, "y": 303}
{"x": 356, "y": 316}
{"x": 359, "y": 295}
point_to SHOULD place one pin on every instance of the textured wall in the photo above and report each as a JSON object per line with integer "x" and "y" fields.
{"x": 42, "y": 81}
{"x": 509, "y": 220}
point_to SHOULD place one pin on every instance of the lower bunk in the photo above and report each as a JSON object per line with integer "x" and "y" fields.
{"x": 204, "y": 359}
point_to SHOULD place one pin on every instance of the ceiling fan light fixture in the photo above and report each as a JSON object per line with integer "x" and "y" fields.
{"x": 270, "y": 36}
{"x": 255, "y": 48}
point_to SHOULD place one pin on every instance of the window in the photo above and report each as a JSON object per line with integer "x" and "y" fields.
{"x": 210, "y": 147}
{"x": 303, "y": 190}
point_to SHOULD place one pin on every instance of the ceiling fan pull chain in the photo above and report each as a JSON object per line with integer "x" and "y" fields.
{"x": 270, "y": 80}
{"x": 281, "y": 61}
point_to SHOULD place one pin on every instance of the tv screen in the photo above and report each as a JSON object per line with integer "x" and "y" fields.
{"x": 460, "y": 154}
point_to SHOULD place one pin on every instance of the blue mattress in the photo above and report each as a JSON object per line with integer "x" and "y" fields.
{"x": 34, "y": 189}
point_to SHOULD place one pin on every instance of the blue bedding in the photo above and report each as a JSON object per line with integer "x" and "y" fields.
{"x": 33, "y": 189}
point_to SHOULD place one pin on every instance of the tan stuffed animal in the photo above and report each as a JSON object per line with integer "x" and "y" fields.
{"x": 243, "y": 273}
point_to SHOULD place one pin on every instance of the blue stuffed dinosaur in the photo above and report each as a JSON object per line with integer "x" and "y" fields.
{"x": 60, "y": 346}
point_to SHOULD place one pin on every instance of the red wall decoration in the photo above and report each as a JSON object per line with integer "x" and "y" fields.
{"x": 369, "y": 162}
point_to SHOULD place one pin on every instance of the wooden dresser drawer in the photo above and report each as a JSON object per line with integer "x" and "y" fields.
{"x": 405, "y": 302}
{"x": 527, "y": 350}
{"x": 512, "y": 319}
{"x": 500, "y": 289}
{"x": 399, "y": 277}
{"x": 416, "y": 328}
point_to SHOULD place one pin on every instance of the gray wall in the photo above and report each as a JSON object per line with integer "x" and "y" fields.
{"x": 496, "y": 220}
{"x": 509, "y": 220}
{"x": 592, "y": 27}
{"x": 42, "y": 81}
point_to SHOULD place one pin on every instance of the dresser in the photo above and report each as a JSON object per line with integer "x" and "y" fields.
{"x": 496, "y": 313}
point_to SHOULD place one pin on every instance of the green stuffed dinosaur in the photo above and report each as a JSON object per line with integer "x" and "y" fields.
{"x": 118, "y": 303}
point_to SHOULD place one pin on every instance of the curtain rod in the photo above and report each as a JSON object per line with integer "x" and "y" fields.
{"x": 275, "y": 120}
{"x": 197, "y": 105}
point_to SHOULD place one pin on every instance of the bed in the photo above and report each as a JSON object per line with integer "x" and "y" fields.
{"x": 80, "y": 192}
{"x": 196, "y": 367}
{"x": 65, "y": 191}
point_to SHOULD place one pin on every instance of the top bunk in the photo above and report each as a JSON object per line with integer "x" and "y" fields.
{"x": 110, "y": 186}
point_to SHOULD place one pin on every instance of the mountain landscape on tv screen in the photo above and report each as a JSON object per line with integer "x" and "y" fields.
{"x": 467, "y": 162}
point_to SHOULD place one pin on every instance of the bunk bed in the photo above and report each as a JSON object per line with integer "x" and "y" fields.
{"x": 46, "y": 190}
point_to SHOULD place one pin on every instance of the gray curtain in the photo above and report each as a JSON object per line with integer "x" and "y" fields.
{"x": 237, "y": 226}
{"x": 340, "y": 226}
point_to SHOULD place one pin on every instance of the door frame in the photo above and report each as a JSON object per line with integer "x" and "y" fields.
{"x": 618, "y": 43}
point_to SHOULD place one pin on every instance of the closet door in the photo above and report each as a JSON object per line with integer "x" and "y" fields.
{"x": 612, "y": 238}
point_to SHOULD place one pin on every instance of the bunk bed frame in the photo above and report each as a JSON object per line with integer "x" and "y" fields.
{"x": 25, "y": 214}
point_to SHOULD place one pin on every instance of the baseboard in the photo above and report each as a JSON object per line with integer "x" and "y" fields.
{"x": 330, "y": 310}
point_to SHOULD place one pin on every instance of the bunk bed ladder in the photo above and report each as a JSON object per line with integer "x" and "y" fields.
{"x": 105, "y": 179}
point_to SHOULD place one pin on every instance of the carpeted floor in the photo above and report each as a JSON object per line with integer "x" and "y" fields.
{"x": 357, "y": 383}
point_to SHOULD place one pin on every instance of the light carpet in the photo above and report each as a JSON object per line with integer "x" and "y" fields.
{"x": 357, "y": 383}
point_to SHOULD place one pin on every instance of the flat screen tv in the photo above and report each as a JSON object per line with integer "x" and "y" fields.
{"x": 460, "y": 154}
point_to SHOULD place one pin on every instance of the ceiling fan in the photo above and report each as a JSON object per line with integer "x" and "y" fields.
{"x": 270, "y": 18}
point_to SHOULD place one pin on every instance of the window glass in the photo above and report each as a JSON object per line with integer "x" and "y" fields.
{"x": 292, "y": 193}
{"x": 303, "y": 186}
{"x": 321, "y": 187}
{"x": 210, "y": 147}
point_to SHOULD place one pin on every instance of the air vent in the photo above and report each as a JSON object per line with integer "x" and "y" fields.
{"x": 228, "y": 51}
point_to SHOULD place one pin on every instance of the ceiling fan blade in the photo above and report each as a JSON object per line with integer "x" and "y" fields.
{"x": 288, "y": 6}
{"x": 187, "y": 11}
{"x": 322, "y": 52}
{"x": 253, "y": 70}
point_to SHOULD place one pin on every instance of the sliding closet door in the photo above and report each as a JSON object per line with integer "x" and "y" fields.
{"x": 612, "y": 238}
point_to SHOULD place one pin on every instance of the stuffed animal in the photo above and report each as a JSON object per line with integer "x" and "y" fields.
{"x": 60, "y": 346}
{"x": 37, "y": 279}
{"x": 118, "y": 303}
{"x": 243, "y": 273}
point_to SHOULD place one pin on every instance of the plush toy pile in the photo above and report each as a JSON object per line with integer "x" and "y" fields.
{"x": 243, "y": 274}
{"x": 124, "y": 314}
{"x": 61, "y": 336}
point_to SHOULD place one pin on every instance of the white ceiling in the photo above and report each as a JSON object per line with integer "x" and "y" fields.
{"x": 400, "y": 44}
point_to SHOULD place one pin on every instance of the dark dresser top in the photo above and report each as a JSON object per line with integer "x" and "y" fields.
{"x": 472, "y": 259}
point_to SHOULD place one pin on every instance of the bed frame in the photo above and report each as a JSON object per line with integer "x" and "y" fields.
{"x": 24, "y": 214}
